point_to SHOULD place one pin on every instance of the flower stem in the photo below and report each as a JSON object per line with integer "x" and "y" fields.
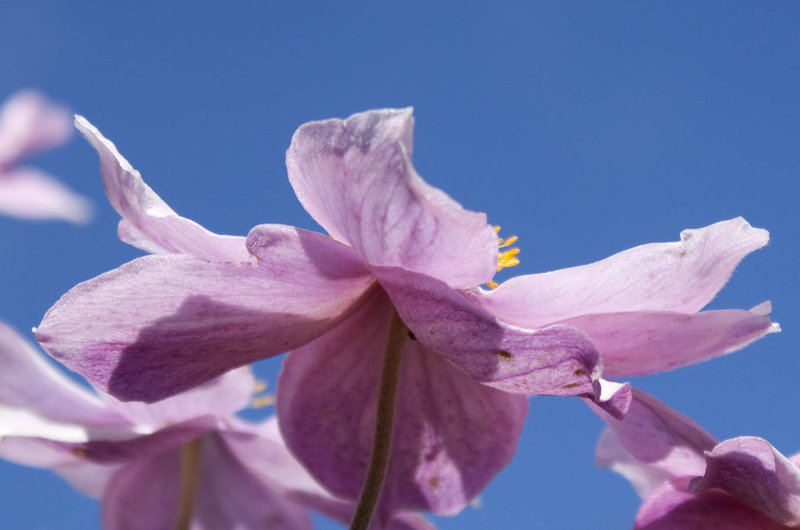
{"x": 381, "y": 445}
{"x": 187, "y": 494}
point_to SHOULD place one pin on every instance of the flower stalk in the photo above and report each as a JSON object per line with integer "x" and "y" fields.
{"x": 187, "y": 494}
{"x": 381, "y": 445}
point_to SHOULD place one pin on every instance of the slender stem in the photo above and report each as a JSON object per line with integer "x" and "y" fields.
{"x": 187, "y": 494}
{"x": 381, "y": 446}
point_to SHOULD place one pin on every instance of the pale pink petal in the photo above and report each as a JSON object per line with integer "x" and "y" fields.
{"x": 31, "y": 194}
{"x": 681, "y": 277}
{"x": 646, "y": 342}
{"x": 755, "y": 473}
{"x": 559, "y": 360}
{"x": 221, "y": 397}
{"x": 451, "y": 434}
{"x": 671, "y": 508}
{"x": 355, "y": 178}
{"x": 659, "y": 436}
{"x": 31, "y": 387}
{"x": 148, "y": 223}
{"x": 28, "y": 124}
{"x": 612, "y": 454}
{"x": 86, "y": 476}
{"x": 614, "y": 398}
{"x": 231, "y": 496}
{"x": 162, "y": 324}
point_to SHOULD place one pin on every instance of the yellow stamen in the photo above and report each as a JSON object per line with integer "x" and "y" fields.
{"x": 259, "y": 387}
{"x": 262, "y": 401}
{"x": 506, "y": 258}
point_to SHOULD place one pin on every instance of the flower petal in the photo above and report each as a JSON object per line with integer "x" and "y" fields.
{"x": 356, "y": 180}
{"x": 31, "y": 194}
{"x": 221, "y": 397}
{"x": 558, "y": 360}
{"x": 612, "y": 454}
{"x": 148, "y": 222}
{"x": 451, "y": 434}
{"x": 660, "y": 436}
{"x": 752, "y": 470}
{"x": 670, "y": 508}
{"x": 162, "y": 324}
{"x": 28, "y": 124}
{"x": 681, "y": 277}
{"x": 646, "y": 342}
{"x": 31, "y": 387}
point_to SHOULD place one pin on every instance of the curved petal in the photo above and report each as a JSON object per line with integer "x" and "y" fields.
{"x": 220, "y": 397}
{"x": 148, "y": 222}
{"x": 31, "y": 194}
{"x": 558, "y": 360}
{"x": 86, "y": 476}
{"x": 28, "y": 124}
{"x": 451, "y": 434}
{"x": 30, "y": 386}
{"x": 669, "y": 508}
{"x": 752, "y": 470}
{"x": 681, "y": 277}
{"x": 612, "y": 454}
{"x": 642, "y": 343}
{"x": 162, "y": 324}
{"x": 660, "y": 436}
{"x": 356, "y": 180}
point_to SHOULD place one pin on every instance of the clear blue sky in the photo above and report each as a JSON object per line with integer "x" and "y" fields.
{"x": 583, "y": 127}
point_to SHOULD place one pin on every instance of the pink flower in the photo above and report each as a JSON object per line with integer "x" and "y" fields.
{"x": 402, "y": 255}
{"x": 688, "y": 480}
{"x": 151, "y": 464}
{"x": 29, "y": 124}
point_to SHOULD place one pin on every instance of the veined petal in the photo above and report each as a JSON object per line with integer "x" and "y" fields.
{"x": 28, "y": 124}
{"x": 659, "y": 436}
{"x": 671, "y": 508}
{"x": 162, "y": 324}
{"x": 355, "y": 178}
{"x": 148, "y": 222}
{"x": 646, "y": 342}
{"x": 559, "y": 360}
{"x": 31, "y": 194}
{"x": 31, "y": 387}
{"x": 751, "y": 470}
{"x": 451, "y": 434}
{"x": 681, "y": 277}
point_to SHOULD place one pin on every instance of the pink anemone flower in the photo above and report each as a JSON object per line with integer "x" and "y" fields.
{"x": 403, "y": 265}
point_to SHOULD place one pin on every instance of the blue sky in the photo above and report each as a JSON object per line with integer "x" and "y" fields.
{"x": 584, "y": 127}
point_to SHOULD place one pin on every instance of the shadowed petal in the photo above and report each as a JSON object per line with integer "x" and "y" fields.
{"x": 162, "y": 324}
{"x": 356, "y": 180}
{"x": 29, "y": 124}
{"x": 221, "y": 397}
{"x": 148, "y": 222}
{"x": 752, "y": 470}
{"x": 451, "y": 434}
{"x": 559, "y": 360}
{"x": 681, "y": 277}
{"x": 670, "y": 508}
{"x": 642, "y": 343}
{"x": 659, "y": 436}
{"x": 612, "y": 454}
{"x": 31, "y": 194}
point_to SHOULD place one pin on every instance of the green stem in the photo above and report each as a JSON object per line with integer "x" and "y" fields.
{"x": 187, "y": 494}
{"x": 382, "y": 443}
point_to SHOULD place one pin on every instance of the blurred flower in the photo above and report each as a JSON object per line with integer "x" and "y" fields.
{"x": 208, "y": 303}
{"x": 187, "y": 456}
{"x": 29, "y": 124}
{"x": 689, "y": 480}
